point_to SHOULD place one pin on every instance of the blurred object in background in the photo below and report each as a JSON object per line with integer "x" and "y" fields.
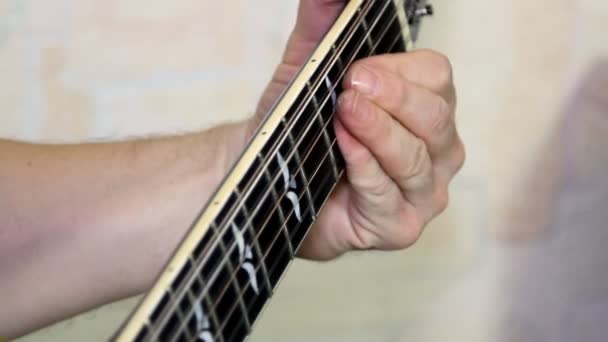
{"x": 556, "y": 288}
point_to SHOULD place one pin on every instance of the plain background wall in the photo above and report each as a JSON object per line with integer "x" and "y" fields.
{"x": 531, "y": 86}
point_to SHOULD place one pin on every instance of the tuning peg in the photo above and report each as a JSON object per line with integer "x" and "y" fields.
{"x": 426, "y": 10}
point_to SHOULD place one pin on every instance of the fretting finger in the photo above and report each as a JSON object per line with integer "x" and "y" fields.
{"x": 421, "y": 111}
{"x": 400, "y": 153}
{"x": 425, "y": 68}
{"x": 375, "y": 190}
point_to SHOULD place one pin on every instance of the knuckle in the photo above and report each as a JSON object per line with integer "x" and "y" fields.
{"x": 417, "y": 159}
{"x": 444, "y": 72}
{"x": 355, "y": 67}
{"x": 441, "y": 117}
{"x": 411, "y": 233}
{"x": 394, "y": 93}
{"x": 402, "y": 96}
{"x": 442, "y": 199}
{"x": 460, "y": 156}
{"x": 347, "y": 101}
{"x": 373, "y": 182}
{"x": 360, "y": 66}
{"x": 380, "y": 186}
{"x": 381, "y": 128}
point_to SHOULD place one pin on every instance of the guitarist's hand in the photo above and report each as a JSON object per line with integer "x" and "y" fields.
{"x": 395, "y": 127}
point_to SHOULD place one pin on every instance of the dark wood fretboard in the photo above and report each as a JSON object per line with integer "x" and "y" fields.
{"x": 221, "y": 286}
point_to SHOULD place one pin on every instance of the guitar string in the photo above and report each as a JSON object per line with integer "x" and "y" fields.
{"x": 241, "y": 302}
{"x": 245, "y": 287}
{"x": 283, "y": 250}
{"x": 346, "y": 41}
{"x": 180, "y": 294}
{"x": 263, "y": 258}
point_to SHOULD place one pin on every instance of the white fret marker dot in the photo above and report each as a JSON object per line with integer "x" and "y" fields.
{"x": 334, "y": 97}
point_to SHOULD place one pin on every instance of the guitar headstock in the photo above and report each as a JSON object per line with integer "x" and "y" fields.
{"x": 416, "y": 10}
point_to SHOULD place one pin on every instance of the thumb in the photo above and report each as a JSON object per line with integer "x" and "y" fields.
{"x": 315, "y": 17}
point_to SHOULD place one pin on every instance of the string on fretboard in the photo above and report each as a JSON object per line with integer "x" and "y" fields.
{"x": 307, "y": 145}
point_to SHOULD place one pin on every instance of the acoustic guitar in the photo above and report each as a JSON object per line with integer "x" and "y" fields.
{"x": 225, "y": 270}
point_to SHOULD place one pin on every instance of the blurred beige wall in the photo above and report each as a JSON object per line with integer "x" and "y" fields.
{"x": 73, "y": 70}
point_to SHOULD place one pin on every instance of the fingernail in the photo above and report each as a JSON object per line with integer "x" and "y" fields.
{"x": 364, "y": 81}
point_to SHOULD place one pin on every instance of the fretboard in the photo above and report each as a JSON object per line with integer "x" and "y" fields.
{"x": 222, "y": 276}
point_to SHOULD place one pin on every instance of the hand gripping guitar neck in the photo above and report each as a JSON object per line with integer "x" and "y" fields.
{"x": 226, "y": 269}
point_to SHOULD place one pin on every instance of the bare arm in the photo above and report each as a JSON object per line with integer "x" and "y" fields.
{"x": 84, "y": 225}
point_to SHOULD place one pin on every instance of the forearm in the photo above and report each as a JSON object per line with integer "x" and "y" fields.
{"x": 84, "y": 225}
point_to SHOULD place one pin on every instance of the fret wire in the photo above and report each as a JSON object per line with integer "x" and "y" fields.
{"x": 342, "y": 74}
{"x": 213, "y": 314}
{"x": 338, "y": 61}
{"x": 327, "y": 140}
{"x": 307, "y": 209}
{"x": 266, "y": 255}
{"x": 185, "y": 321}
{"x": 369, "y": 38}
{"x": 233, "y": 282}
{"x": 325, "y": 157}
{"x": 309, "y": 197}
{"x": 305, "y": 212}
{"x": 385, "y": 30}
{"x": 275, "y": 197}
{"x": 256, "y": 245}
{"x": 207, "y": 301}
{"x": 177, "y": 311}
{"x": 270, "y": 180}
{"x": 395, "y": 42}
{"x": 277, "y": 205}
{"x": 210, "y": 312}
{"x": 194, "y": 274}
{"x": 319, "y": 118}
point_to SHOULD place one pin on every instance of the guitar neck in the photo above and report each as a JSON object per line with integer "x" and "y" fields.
{"x": 226, "y": 269}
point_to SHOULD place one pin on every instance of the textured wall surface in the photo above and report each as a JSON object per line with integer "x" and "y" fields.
{"x": 519, "y": 255}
